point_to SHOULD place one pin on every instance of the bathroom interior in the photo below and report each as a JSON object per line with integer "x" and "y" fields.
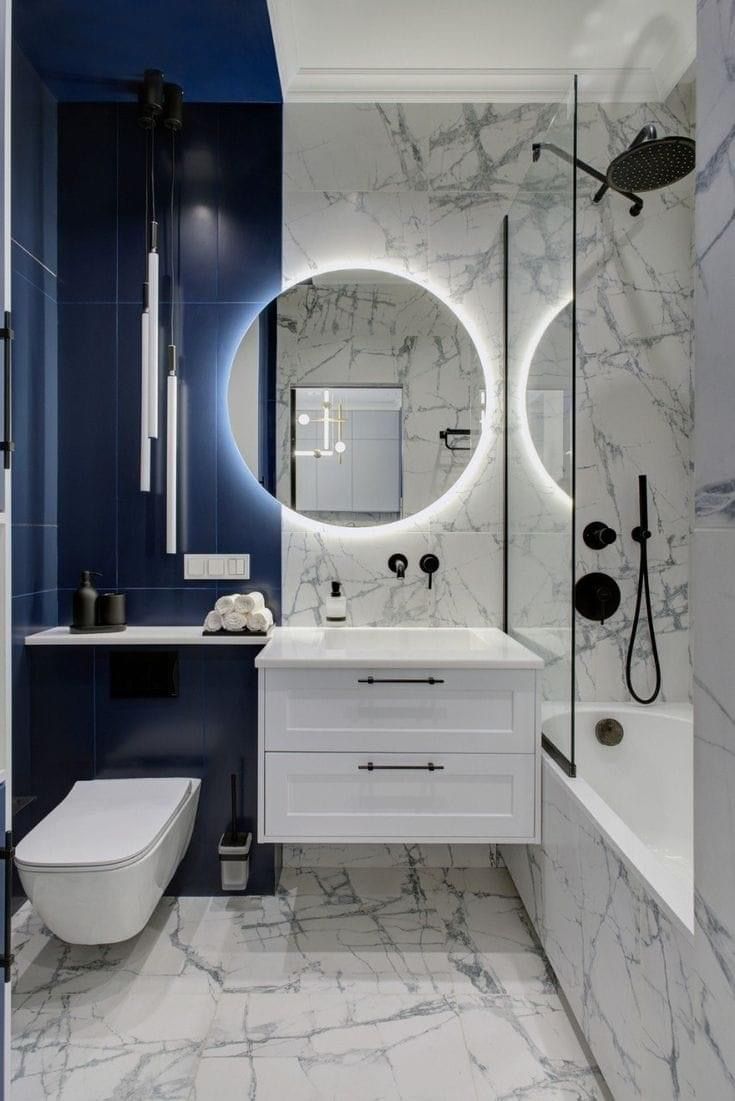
{"x": 363, "y": 564}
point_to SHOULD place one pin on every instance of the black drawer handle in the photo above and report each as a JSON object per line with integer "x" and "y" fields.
{"x": 370, "y": 767}
{"x": 401, "y": 680}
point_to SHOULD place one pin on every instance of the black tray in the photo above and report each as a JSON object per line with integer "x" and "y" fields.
{"x": 101, "y": 629}
{"x": 236, "y": 634}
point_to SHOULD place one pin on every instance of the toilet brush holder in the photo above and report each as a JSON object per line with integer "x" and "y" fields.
{"x": 234, "y": 849}
{"x": 234, "y": 860}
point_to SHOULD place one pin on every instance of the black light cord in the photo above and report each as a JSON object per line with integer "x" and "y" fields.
{"x": 172, "y": 234}
{"x": 641, "y": 535}
{"x": 153, "y": 174}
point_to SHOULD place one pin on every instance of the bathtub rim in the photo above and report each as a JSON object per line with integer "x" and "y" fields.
{"x": 672, "y": 892}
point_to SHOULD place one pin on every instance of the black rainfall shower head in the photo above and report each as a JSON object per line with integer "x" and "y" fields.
{"x": 652, "y": 164}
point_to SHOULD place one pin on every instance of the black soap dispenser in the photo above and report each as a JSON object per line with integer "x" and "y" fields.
{"x": 84, "y": 613}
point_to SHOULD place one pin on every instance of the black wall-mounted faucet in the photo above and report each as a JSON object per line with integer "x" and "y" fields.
{"x": 398, "y": 564}
{"x": 429, "y": 563}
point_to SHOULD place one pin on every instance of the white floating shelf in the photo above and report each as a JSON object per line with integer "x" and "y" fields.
{"x": 142, "y": 636}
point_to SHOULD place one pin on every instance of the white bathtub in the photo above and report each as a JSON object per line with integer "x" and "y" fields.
{"x": 640, "y": 791}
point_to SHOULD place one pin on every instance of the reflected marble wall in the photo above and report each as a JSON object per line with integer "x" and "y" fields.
{"x": 714, "y": 552}
{"x": 387, "y": 334}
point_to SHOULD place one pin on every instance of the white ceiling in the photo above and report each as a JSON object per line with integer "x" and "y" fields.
{"x": 423, "y": 50}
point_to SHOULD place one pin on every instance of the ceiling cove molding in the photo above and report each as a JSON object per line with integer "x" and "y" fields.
{"x": 335, "y": 85}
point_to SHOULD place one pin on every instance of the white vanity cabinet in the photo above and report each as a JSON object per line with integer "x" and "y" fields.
{"x": 396, "y": 753}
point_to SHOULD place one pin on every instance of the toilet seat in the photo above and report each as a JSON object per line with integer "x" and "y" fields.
{"x": 102, "y": 824}
{"x": 95, "y": 868}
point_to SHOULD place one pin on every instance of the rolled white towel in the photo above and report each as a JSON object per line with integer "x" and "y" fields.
{"x": 225, "y": 604}
{"x": 234, "y": 621}
{"x": 260, "y": 621}
{"x": 213, "y": 622}
{"x": 247, "y": 603}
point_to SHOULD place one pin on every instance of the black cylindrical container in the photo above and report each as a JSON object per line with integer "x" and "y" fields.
{"x": 112, "y": 610}
{"x": 84, "y": 607}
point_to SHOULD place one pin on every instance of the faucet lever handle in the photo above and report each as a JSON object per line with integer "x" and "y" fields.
{"x": 429, "y": 564}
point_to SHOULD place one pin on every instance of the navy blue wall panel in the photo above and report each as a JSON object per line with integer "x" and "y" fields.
{"x": 221, "y": 50}
{"x": 229, "y": 239}
{"x": 35, "y": 395}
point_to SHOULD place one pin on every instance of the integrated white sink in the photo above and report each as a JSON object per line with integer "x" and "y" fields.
{"x": 395, "y": 647}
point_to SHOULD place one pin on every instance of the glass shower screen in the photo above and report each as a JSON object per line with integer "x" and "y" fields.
{"x": 540, "y": 259}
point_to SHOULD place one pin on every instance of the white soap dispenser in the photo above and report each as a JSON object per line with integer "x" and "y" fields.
{"x": 336, "y": 607}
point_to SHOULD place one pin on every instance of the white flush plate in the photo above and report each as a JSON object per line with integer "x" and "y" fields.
{"x": 216, "y": 567}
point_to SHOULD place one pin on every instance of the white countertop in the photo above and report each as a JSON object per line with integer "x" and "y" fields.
{"x": 142, "y": 636}
{"x": 395, "y": 647}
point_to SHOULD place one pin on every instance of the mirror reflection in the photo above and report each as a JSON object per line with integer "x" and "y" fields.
{"x": 357, "y": 398}
{"x": 549, "y": 399}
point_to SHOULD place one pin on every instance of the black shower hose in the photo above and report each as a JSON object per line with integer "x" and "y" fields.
{"x": 641, "y": 535}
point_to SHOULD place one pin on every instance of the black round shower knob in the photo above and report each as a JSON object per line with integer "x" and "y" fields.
{"x": 598, "y": 535}
{"x": 597, "y": 596}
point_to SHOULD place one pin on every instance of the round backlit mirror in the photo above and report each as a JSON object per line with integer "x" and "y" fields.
{"x": 357, "y": 398}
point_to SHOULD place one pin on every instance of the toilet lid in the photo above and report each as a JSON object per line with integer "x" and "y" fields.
{"x": 103, "y": 823}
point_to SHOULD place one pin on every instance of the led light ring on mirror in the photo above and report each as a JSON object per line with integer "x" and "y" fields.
{"x": 538, "y": 470}
{"x": 467, "y": 478}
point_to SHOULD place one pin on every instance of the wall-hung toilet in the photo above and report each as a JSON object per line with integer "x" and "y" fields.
{"x": 97, "y": 865}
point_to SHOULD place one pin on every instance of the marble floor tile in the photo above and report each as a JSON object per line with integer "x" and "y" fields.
{"x": 380, "y": 1046}
{"x": 365, "y": 928}
{"x": 405, "y": 983}
{"x": 525, "y": 1048}
{"x": 489, "y": 938}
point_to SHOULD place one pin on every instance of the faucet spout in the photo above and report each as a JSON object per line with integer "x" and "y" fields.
{"x": 398, "y": 563}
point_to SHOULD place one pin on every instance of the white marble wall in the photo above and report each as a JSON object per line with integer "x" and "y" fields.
{"x": 624, "y": 964}
{"x": 714, "y": 552}
{"x": 634, "y": 399}
{"x": 419, "y": 189}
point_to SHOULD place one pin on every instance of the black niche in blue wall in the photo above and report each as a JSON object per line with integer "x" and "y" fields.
{"x": 229, "y": 239}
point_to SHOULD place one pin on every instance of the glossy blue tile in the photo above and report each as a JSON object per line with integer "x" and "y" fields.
{"x": 252, "y": 519}
{"x": 25, "y": 266}
{"x": 34, "y": 550}
{"x": 150, "y": 737}
{"x": 250, "y": 203}
{"x": 30, "y": 613}
{"x": 218, "y": 51}
{"x": 229, "y": 678}
{"x": 141, "y": 517}
{"x": 88, "y": 448}
{"x": 35, "y": 403}
{"x": 88, "y": 169}
{"x": 62, "y": 686}
{"x": 34, "y": 152}
{"x": 181, "y": 607}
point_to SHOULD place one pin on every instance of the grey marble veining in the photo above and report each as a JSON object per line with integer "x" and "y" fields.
{"x": 394, "y": 984}
{"x": 714, "y": 553}
{"x": 624, "y": 966}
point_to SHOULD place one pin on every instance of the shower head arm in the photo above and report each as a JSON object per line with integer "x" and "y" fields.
{"x": 578, "y": 163}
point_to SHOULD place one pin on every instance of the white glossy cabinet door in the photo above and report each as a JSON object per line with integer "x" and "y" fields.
{"x": 336, "y": 796}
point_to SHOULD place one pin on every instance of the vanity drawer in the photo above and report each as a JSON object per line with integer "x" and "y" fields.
{"x": 329, "y": 796}
{"x": 356, "y": 710}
